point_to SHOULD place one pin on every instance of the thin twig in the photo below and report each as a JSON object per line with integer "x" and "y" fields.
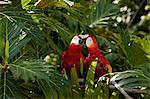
{"x": 20, "y": 56}
{"x": 134, "y": 15}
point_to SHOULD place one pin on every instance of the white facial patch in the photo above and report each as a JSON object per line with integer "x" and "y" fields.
{"x": 89, "y": 41}
{"x": 84, "y": 36}
{"x": 75, "y": 40}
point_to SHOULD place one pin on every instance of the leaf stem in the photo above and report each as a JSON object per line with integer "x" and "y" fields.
{"x": 5, "y": 75}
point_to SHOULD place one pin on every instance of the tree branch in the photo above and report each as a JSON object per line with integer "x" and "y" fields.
{"x": 137, "y": 91}
{"x": 135, "y": 15}
{"x": 122, "y": 90}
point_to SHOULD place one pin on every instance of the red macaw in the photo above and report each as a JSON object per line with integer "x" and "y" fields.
{"x": 94, "y": 54}
{"x": 72, "y": 56}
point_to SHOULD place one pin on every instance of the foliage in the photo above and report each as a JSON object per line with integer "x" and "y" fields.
{"x": 31, "y": 30}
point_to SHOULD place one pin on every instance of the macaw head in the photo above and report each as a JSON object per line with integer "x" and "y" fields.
{"x": 75, "y": 44}
{"x": 90, "y": 46}
{"x": 89, "y": 41}
{"x": 76, "y": 40}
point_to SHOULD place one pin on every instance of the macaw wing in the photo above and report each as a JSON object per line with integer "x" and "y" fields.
{"x": 102, "y": 67}
{"x": 99, "y": 71}
{"x": 105, "y": 64}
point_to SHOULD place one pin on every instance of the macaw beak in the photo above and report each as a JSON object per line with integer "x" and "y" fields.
{"x": 83, "y": 38}
{"x": 80, "y": 41}
{"x": 84, "y": 48}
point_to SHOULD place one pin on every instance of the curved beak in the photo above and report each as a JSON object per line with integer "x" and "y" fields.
{"x": 80, "y": 41}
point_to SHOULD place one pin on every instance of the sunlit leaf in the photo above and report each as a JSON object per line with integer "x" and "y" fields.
{"x": 25, "y": 2}
{"x": 102, "y": 12}
{"x": 133, "y": 52}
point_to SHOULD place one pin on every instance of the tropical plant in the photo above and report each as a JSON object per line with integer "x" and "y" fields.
{"x": 19, "y": 36}
{"x": 31, "y": 30}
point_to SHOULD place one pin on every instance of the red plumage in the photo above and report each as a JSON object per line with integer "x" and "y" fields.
{"x": 94, "y": 54}
{"x": 72, "y": 56}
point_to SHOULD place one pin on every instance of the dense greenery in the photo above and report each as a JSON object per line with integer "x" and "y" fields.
{"x": 32, "y": 30}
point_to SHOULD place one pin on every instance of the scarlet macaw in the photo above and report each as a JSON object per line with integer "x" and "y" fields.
{"x": 72, "y": 56}
{"x": 94, "y": 54}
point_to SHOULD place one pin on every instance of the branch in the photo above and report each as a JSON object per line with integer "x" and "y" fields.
{"x": 135, "y": 15}
{"x": 137, "y": 91}
{"x": 122, "y": 90}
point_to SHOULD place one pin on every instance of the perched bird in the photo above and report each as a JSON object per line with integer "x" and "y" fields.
{"x": 94, "y": 54}
{"x": 73, "y": 56}
{"x": 84, "y": 47}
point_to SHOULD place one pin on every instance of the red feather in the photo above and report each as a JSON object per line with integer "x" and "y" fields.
{"x": 103, "y": 65}
{"x": 71, "y": 57}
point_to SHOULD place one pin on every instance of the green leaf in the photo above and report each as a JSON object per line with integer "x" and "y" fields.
{"x": 74, "y": 77}
{"x": 2, "y": 38}
{"x": 6, "y": 43}
{"x": 98, "y": 90}
{"x": 130, "y": 78}
{"x": 76, "y": 92}
{"x": 51, "y": 3}
{"x": 24, "y": 3}
{"x": 52, "y": 44}
{"x": 125, "y": 74}
{"x": 145, "y": 46}
{"x": 47, "y": 89}
{"x": 132, "y": 50}
{"x": 16, "y": 46}
{"x": 30, "y": 70}
{"x": 7, "y": 50}
{"x": 15, "y": 29}
{"x": 12, "y": 89}
{"x": 128, "y": 81}
{"x": 102, "y": 12}
{"x": 137, "y": 85}
{"x": 90, "y": 75}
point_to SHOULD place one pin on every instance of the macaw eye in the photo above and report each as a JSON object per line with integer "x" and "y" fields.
{"x": 89, "y": 41}
{"x": 75, "y": 40}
